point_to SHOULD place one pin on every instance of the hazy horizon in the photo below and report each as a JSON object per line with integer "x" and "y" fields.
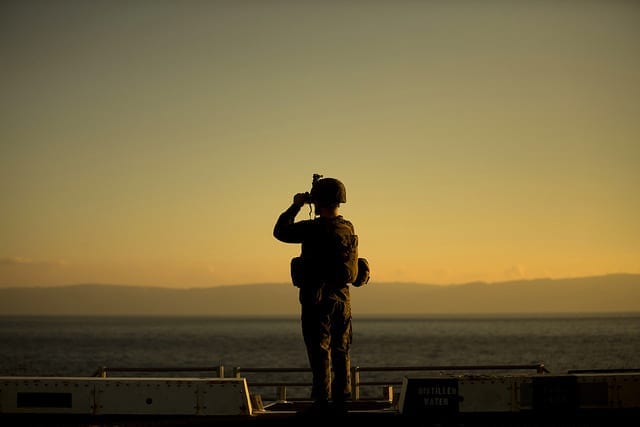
{"x": 154, "y": 143}
{"x": 287, "y": 282}
{"x": 611, "y": 293}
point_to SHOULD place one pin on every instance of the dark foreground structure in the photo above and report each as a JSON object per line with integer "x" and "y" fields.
{"x": 428, "y": 396}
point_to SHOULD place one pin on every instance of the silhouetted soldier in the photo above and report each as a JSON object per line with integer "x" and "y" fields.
{"x": 328, "y": 263}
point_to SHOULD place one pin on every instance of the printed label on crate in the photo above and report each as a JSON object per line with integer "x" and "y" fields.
{"x": 429, "y": 395}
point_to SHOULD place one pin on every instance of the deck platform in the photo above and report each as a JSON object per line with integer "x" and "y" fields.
{"x": 580, "y": 398}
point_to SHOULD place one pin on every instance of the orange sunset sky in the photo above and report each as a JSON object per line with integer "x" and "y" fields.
{"x": 156, "y": 142}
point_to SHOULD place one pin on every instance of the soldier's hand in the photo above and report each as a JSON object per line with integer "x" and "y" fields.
{"x": 300, "y": 199}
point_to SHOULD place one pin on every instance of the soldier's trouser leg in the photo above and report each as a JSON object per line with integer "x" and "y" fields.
{"x": 341, "y": 335}
{"x": 316, "y": 332}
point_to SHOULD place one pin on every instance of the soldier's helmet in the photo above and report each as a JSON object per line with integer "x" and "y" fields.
{"x": 328, "y": 191}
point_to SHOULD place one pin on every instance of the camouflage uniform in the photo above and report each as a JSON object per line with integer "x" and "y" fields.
{"x": 325, "y": 307}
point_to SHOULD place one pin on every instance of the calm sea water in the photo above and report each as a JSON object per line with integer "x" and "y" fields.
{"x": 78, "y": 346}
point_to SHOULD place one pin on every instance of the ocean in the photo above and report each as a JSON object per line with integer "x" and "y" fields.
{"x": 79, "y": 345}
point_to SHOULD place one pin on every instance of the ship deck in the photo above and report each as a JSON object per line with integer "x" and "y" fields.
{"x": 414, "y": 396}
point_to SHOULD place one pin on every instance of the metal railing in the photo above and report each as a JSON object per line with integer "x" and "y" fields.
{"x": 356, "y": 374}
{"x": 103, "y": 370}
{"x": 356, "y": 371}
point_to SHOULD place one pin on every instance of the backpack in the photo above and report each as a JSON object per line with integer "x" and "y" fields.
{"x": 331, "y": 256}
{"x": 364, "y": 273}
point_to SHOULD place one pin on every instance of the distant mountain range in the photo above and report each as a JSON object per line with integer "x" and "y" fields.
{"x": 599, "y": 294}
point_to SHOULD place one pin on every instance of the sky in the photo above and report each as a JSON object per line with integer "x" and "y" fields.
{"x": 155, "y": 143}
